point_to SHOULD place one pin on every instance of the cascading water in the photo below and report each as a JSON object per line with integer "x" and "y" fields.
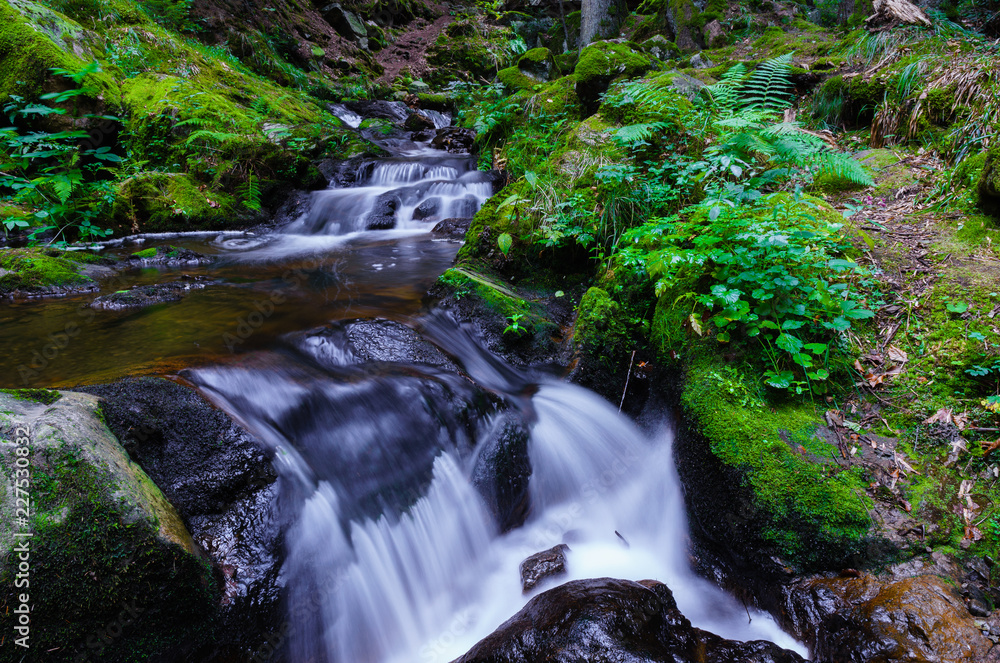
{"x": 393, "y": 555}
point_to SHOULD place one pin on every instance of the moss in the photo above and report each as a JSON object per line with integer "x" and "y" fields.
{"x": 145, "y": 253}
{"x": 438, "y": 102}
{"x": 559, "y": 97}
{"x": 169, "y": 202}
{"x": 470, "y": 49}
{"x": 599, "y": 327}
{"x": 45, "y": 396}
{"x": 815, "y": 512}
{"x": 515, "y": 79}
{"x": 988, "y": 187}
{"x": 490, "y": 222}
{"x": 34, "y": 269}
{"x": 853, "y": 100}
{"x": 566, "y": 62}
{"x": 969, "y": 170}
{"x": 603, "y": 62}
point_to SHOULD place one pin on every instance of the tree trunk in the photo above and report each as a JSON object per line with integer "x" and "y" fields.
{"x": 893, "y": 12}
{"x": 600, "y": 19}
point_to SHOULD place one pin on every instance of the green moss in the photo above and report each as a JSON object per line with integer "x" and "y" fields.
{"x": 559, "y": 96}
{"x": 515, "y": 79}
{"x": 602, "y": 63}
{"x": 46, "y": 396}
{"x": 599, "y": 327}
{"x": 145, "y": 253}
{"x": 969, "y": 170}
{"x": 168, "y": 202}
{"x": 34, "y": 269}
{"x": 470, "y": 48}
{"x": 988, "y": 187}
{"x": 438, "y": 102}
{"x": 816, "y": 513}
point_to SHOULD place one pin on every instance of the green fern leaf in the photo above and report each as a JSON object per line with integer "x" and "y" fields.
{"x": 769, "y": 87}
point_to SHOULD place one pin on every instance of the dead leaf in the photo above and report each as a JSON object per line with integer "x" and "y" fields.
{"x": 895, "y": 354}
{"x": 695, "y": 321}
{"x": 943, "y": 415}
{"x": 989, "y": 447}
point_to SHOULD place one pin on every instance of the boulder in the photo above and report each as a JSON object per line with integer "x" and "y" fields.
{"x": 537, "y": 64}
{"x": 546, "y": 564}
{"x": 603, "y": 62}
{"x": 224, "y": 487}
{"x": 699, "y": 61}
{"x": 107, "y": 547}
{"x": 347, "y": 24}
{"x": 383, "y": 214}
{"x": 418, "y": 121}
{"x": 680, "y": 16}
{"x": 660, "y": 48}
{"x": 503, "y": 470}
{"x": 457, "y": 140}
{"x": 171, "y": 256}
{"x": 714, "y": 34}
{"x": 418, "y": 87}
{"x": 613, "y": 620}
{"x": 383, "y": 110}
{"x": 864, "y": 619}
{"x": 453, "y": 228}
{"x": 428, "y": 208}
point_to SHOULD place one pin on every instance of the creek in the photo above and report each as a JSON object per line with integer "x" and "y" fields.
{"x": 384, "y": 447}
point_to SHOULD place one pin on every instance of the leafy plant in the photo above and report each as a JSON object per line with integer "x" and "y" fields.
{"x": 515, "y": 326}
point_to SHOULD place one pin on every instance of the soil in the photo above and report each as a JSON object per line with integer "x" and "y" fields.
{"x": 409, "y": 51}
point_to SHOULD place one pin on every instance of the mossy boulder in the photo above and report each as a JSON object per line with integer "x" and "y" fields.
{"x": 683, "y": 18}
{"x": 988, "y": 187}
{"x": 469, "y": 49}
{"x": 37, "y": 272}
{"x": 661, "y": 48}
{"x": 515, "y": 79}
{"x": 603, "y": 62}
{"x": 559, "y": 96}
{"x": 537, "y": 63}
{"x": 107, "y": 547}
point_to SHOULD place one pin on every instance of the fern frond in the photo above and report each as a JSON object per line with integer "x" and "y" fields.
{"x": 842, "y": 166}
{"x": 724, "y": 95}
{"x": 636, "y": 134}
{"x": 209, "y": 136}
{"x": 769, "y": 87}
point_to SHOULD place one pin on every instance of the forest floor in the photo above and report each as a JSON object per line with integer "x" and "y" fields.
{"x": 410, "y": 50}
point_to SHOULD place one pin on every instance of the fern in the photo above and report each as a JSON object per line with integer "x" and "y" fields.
{"x": 637, "y": 134}
{"x": 724, "y": 96}
{"x": 209, "y": 136}
{"x": 769, "y": 88}
{"x": 250, "y": 192}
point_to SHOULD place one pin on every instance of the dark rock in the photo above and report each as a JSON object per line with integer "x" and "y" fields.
{"x": 455, "y": 228}
{"x": 296, "y": 204}
{"x": 546, "y": 564}
{"x": 680, "y": 17}
{"x": 503, "y": 470}
{"x": 613, "y": 620}
{"x": 222, "y": 485}
{"x": 858, "y": 620}
{"x": 172, "y": 256}
{"x": 418, "y": 121}
{"x": 385, "y": 110}
{"x": 385, "y": 340}
{"x": 142, "y": 296}
{"x": 427, "y": 208}
{"x": 383, "y": 215}
{"x": 463, "y": 207}
{"x": 456, "y": 140}
{"x": 346, "y": 23}
{"x": 423, "y": 136}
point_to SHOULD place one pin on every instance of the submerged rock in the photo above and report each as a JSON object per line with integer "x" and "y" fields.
{"x": 454, "y": 228}
{"x": 503, "y": 470}
{"x": 456, "y": 140}
{"x": 546, "y": 564}
{"x": 613, "y": 620}
{"x": 142, "y": 296}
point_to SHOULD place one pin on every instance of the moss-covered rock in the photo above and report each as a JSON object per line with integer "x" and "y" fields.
{"x": 603, "y": 62}
{"x": 537, "y": 63}
{"x": 515, "y": 79}
{"x": 158, "y": 202}
{"x": 469, "y": 49}
{"x": 36, "y": 272}
{"x": 559, "y": 97}
{"x": 988, "y": 187}
{"x": 108, "y": 549}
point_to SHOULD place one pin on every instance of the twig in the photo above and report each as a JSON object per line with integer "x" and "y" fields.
{"x": 627, "y": 377}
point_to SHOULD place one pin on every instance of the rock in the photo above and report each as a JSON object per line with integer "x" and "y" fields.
{"x": 383, "y": 110}
{"x": 105, "y": 537}
{"x": 456, "y": 140}
{"x": 453, "y": 228}
{"x": 715, "y": 35}
{"x": 537, "y": 63}
{"x": 418, "y": 121}
{"x": 346, "y": 23}
{"x": 427, "y": 208}
{"x": 546, "y": 564}
{"x": 613, "y": 620}
{"x": 660, "y": 48}
{"x": 680, "y": 17}
{"x": 223, "y": 486}
{"x": 418, "y": 87}
{"x": 141, "y": 296}
{"x": 171, "y": 256}
{"x": 698, "y": 61}
{"x": 988, "y": 186}
{"x": 423, "y": 136}
{"x": 601, "y": 63}
{"x": 686, "y": 85}
{"x": 858, "y": 620}
{"x": 503, "y": 470}
{"x": 383, "y": 214}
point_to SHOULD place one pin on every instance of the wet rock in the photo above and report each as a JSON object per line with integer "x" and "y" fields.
{"x": 171, "y": 256}
{"x": 456, "y": 140}
{"x": 110, "y": 537}
{"x": 454, "y": 228}
{"x": 296, "y": 204}
{"x": 859, "y": 620}
{"x": 385, "y": 340}
{"x": 503, "y": 470}
{"x": 715, "y": 35}
{"x": 546, "y": 564}
{"x": 418, "y": 121}
{"x": 223, "y": 486}
{"x": 418, "y": 87}
{"x": 613, "y": 620}
{"x": 383, "y": 214}
{"x": 463, "y": 207}
{"x": 385, "y": 110}
{"x": 427, "y": 208}
{"x": 142, "y": 296}
{"x": 423, "y": 136}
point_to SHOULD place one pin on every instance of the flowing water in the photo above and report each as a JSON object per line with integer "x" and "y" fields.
{"x": 393, "y": 554}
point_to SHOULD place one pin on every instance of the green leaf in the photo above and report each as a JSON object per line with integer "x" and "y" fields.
{"x": 957, "y": 307}
{"x": 505, "y": 241}
{"x": 788, "y": 343}
{"x": 531, "y": 178}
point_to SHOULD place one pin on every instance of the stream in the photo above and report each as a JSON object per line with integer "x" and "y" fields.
{"x": 392, "y": 551}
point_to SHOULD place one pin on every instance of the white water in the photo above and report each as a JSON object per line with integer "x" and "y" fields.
{"x": 431, "y": 584}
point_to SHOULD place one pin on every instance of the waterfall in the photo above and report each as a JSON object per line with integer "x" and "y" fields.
{"x": 425, "y": 574}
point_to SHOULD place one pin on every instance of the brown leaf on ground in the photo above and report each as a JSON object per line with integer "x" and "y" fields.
{"x": 895, "y": 354}
{"x": 947, "y": 416}
{"x": 989, "y": 447}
